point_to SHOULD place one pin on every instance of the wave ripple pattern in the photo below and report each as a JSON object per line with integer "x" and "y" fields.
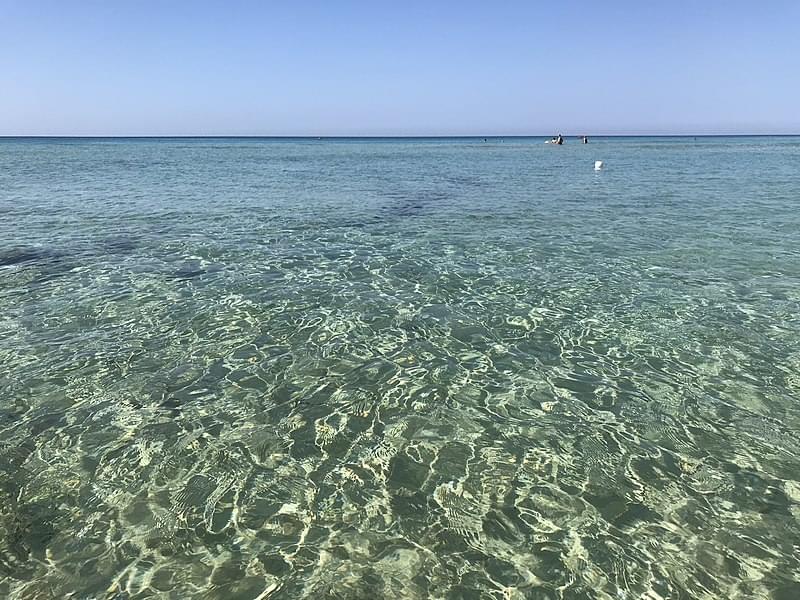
{"x": 400, "y": 369}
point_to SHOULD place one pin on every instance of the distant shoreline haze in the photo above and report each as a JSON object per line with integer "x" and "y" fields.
{"x": 567, "y": 136}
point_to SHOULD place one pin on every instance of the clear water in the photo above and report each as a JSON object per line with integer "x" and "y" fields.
{"x": 400, "y": 368}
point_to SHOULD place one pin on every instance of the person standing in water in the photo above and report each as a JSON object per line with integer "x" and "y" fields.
{"x": 585, "y": 139}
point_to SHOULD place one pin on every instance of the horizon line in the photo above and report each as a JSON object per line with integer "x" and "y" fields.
{"x": 376, "y": 136}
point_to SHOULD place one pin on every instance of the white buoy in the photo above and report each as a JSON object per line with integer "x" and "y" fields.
{"x": 598, "y": 164}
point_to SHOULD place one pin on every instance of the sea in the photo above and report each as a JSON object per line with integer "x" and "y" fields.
{"x": 445, "y": 368}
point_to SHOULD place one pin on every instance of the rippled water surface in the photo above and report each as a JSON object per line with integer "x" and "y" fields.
{"x": 400, "y": 368}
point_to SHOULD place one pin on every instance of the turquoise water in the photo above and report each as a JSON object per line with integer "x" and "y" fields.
{"x": 436, "y": 368}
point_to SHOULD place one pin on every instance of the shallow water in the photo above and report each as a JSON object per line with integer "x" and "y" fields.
{"x": 400, "y": 368}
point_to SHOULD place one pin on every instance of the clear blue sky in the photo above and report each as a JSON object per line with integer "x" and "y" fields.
{"x": 118, "y": 67}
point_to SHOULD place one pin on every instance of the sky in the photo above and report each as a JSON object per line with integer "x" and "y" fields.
{"x": 399, "y": 68}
